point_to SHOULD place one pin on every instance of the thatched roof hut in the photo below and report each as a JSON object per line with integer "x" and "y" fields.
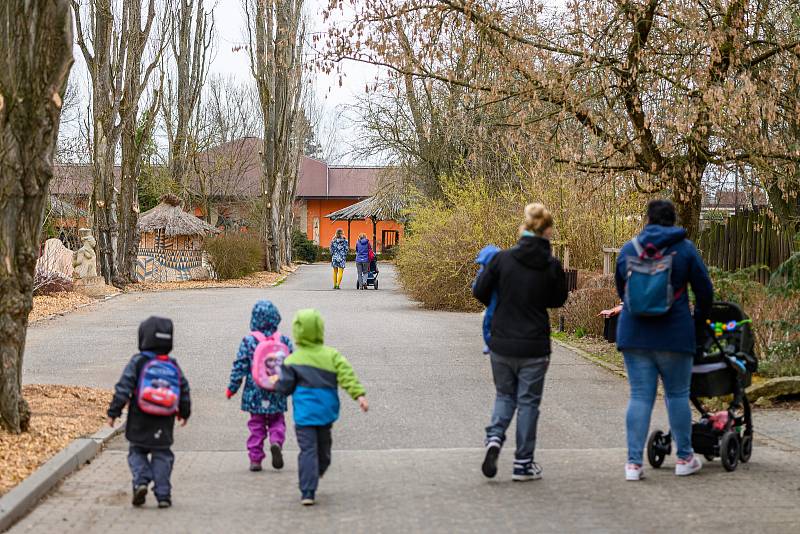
{"x": 171, "y": 245}
{"x": 170, "y": 218}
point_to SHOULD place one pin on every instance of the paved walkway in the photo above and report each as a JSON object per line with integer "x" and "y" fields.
{"x": 411, "y": 463}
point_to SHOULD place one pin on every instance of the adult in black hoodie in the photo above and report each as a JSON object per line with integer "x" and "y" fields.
{"x": 528, "y": 280}
{"x": 150, "y": 436}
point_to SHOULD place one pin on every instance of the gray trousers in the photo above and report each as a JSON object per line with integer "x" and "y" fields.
{"x": 519, "y": 383}
{"x": 156, "y": 469}
{"x": 315, "y": 454}
{"x": 363, "y": 269}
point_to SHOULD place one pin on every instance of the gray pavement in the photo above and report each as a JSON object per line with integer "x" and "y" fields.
{"x": 411, "y": 463}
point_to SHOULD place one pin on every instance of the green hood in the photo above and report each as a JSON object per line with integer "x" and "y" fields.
{"x": 308, "y": 329}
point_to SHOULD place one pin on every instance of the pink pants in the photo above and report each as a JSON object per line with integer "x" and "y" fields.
{"x": 259, "y": 425}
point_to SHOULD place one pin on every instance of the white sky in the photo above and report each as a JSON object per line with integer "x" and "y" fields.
{"x": 231, "y": 32}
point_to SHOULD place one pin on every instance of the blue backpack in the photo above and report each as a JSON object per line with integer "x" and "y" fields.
{"x": 159, "y": 390}
{"x": 648, "y": 287}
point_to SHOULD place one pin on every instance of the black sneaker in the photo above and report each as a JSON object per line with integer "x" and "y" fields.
{"x": 139, "y": 494}
{"x": 255, "y": 466}
{"x": 307, "y": 498}
{"x": 277, "y": 456}
{"x": 526, "y": 471}
{"x": 164, "y": 503}
{"x": 489, "y": 466}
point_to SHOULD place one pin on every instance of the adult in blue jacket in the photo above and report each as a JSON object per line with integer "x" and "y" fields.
{"x": 663, "y": 345}
{"x": 362, "y": 260}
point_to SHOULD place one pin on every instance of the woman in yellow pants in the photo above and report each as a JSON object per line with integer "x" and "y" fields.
{"x": 339, "y": 249}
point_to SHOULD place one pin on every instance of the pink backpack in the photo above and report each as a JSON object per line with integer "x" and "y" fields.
{"x": 267, "y": 359}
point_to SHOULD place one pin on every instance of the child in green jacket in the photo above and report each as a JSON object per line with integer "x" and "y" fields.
{"x": 311, "y": 375}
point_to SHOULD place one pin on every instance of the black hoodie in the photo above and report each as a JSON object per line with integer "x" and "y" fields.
{"x": 141, "y": 429}
{"x": 528, "y": 281}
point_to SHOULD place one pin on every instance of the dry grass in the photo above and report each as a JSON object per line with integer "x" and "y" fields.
{"x": 582, "y": 308}
{"x": 60, "y": 415}
{"x": 56, "y": 303}
{"x": 256, "y": 280}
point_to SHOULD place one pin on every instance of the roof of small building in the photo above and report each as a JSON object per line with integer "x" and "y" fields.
{"x": 170, "y": 217}
{"x": 386, "y": 204}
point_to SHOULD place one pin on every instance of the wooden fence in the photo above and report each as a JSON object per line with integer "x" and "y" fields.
{"x": 747, "y": 239}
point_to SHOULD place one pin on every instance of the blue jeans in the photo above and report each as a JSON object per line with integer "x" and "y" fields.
{"x": 675, "y": 369}
{"x": 519, "y": 383}
{"x": 157, "y": 469}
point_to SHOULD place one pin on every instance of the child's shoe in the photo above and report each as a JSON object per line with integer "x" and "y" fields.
{"x": 277, "y": 456}
{"x": 307, "y": 498}
{"x": 489, "y": 466}
{"x": 255, "y": 466}
{"x": 526, "y": 471}
{"x": 689, "y": 466}
{"x": 633, "y": 472}
{"x": 139, "y": 495}
{"x": 164, "y": 503}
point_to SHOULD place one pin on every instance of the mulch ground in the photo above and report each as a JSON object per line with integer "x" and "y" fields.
{"x": 56, "y": 303}
{"x": 256, "y": 280}
{"x": 60, "y": 414}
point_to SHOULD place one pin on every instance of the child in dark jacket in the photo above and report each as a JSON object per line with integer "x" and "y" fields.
{"x": 311, "y": 375}
{"x": 266, "y": 408}
{"x": 150, "y": 436}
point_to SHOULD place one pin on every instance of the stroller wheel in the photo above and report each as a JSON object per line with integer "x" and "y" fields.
{"x": 747, "y": 449}
{"x": 729, "y": 450}
{"x": 376, "y": 284}
{"x": 709, "y": 457}
{"x": 659, "y": 445}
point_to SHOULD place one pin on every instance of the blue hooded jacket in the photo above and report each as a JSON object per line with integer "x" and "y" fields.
{"x": 265, "y": 319}
{"x": 362, "y": 250}
{"x": 484, "y": 257}
{"x": 675, "y": 330}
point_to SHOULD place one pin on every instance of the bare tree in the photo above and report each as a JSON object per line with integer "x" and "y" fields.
{"x": 276, "y": 31}
{"x": 113, "y": 43}
{"x": 191, "y": 42}
{"x": 654, "y": 89}
{"x": 32, "y": 84}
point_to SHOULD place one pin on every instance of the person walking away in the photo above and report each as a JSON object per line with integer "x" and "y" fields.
{"x": 528, "y": 280}
{"x": 311, "y": 375}
{"x": 266, "y": 408}
{"x": 156, "y": 392}
{"x": 339, "y": 249}
{"x": 656, "y": 330}
{"x": 362, "y": 260}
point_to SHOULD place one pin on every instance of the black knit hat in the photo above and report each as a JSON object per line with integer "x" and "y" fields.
{"x": 155, "y": 334}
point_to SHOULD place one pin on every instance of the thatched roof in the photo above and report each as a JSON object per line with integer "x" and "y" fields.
{"x": 385, "y": 205}
{"x": 170, "y": 217}
{"x": 65, "y": 210}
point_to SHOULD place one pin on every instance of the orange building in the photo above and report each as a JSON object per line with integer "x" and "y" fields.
{"x": 323, "y": 189}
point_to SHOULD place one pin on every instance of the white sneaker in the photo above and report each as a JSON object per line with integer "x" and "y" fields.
{"x": 688, "y": 467}
{"x": 633, "y": 472}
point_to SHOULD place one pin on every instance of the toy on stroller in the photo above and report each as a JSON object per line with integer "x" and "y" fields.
{"x": 372, "y": 276}
{"x": 723, "y": 366}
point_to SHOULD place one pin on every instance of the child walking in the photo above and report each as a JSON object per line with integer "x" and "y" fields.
{"x": 266, "y": 408}
{"x": 311, "y": 375}
{"x": 156, "y": 391}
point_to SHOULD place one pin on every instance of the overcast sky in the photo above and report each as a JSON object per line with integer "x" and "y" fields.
{"x": 231, "y": 32}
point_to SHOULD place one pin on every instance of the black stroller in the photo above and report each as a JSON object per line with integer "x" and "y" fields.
{"x": 372, "y": 276}
{"x": 723, "y": 366}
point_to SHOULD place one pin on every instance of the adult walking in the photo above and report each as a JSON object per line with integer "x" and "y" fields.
{"x": 527, "y": 280}
{"x": 339, "y": 249}
{"x": 656, "y": 332}
{"x": 363, "y": 249}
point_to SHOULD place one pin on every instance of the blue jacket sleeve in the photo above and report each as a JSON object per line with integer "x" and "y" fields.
{"x": 619, "y": 273}
{"x": 241, "y": 365}
{"x": 701, "y": 286}
{"x": 123, "y": 390}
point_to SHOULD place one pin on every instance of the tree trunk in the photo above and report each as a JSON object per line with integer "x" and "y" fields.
{"x": 687, "y": 195}
{"x": 32, "y": 84}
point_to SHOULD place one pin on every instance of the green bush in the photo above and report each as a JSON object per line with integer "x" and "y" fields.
{"x": 303, "y": 249}
{"x": 234, "y": 255}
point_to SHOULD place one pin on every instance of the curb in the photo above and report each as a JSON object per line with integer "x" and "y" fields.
{"x": 78, "y": 307}
{"x": 582, "y": 353}
{"x": 20, "y": 500}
